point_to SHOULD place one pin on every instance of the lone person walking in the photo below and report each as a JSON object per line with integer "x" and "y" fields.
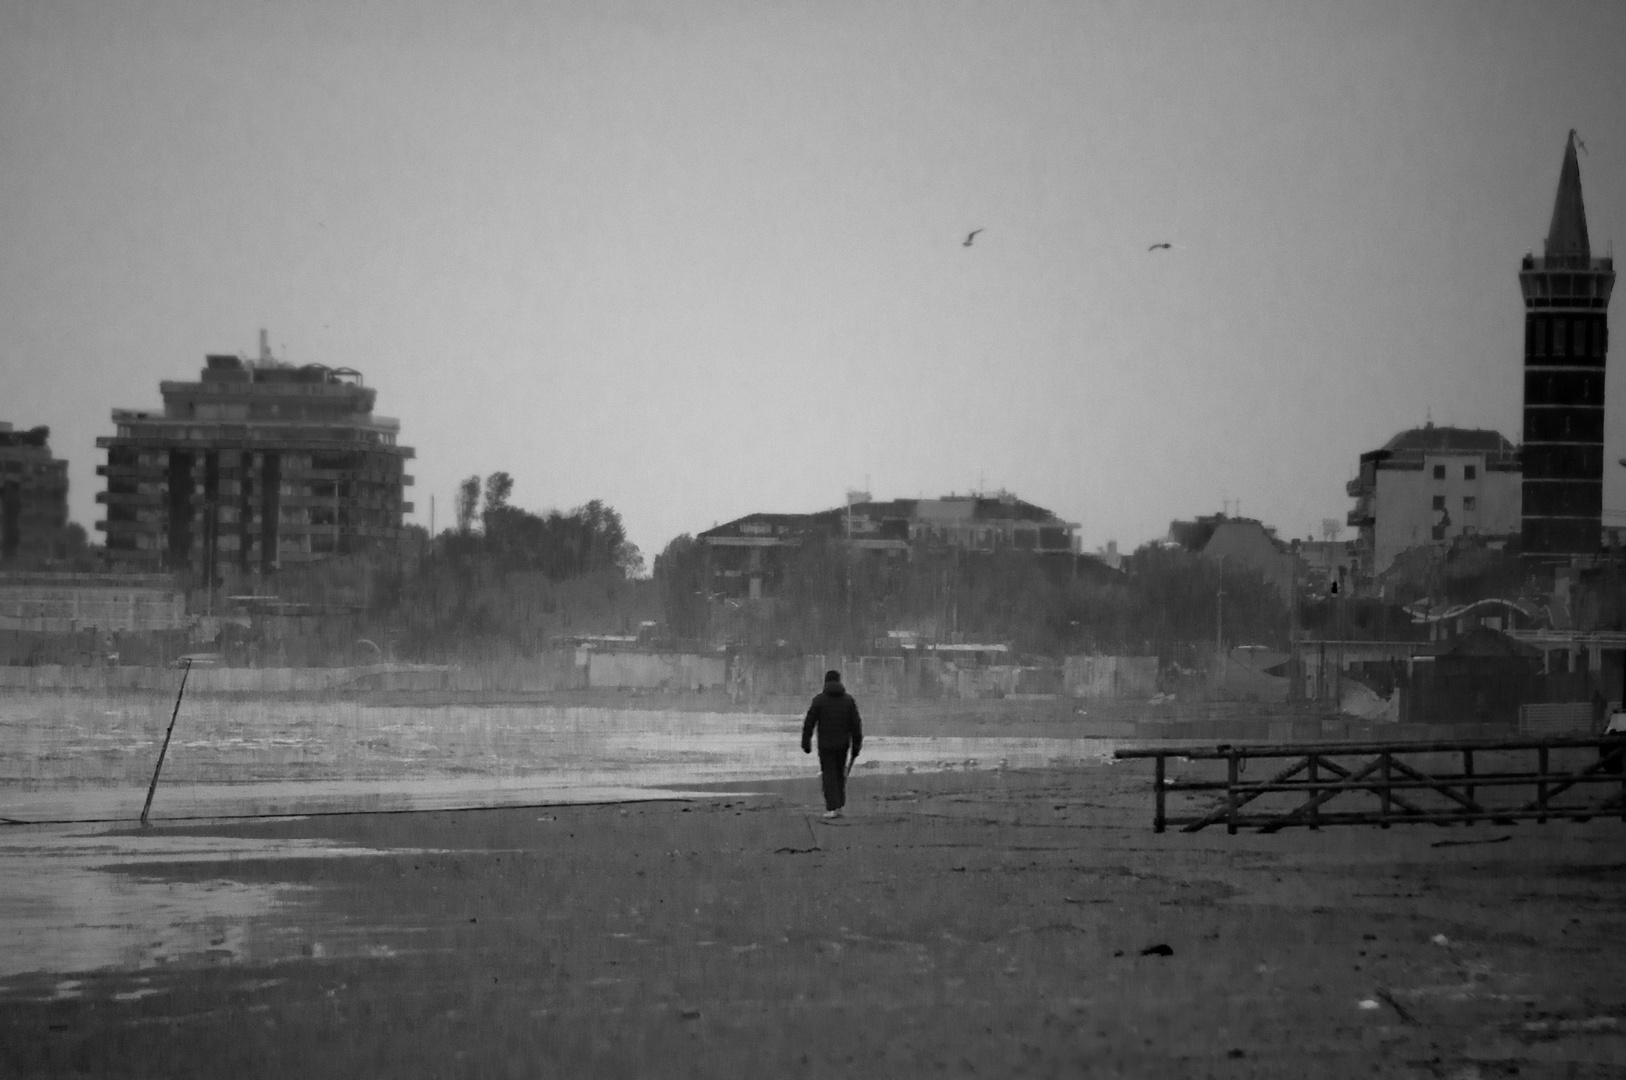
{"x": 834, "y": 714}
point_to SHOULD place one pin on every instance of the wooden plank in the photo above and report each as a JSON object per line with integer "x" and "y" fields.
{"x": 1157, "y": 816}
{"x": 1408, "y": 807}
{"x": 1218, "y": 815}
{"x": 1269, "y": 824}
{"x": 1324, "y": 796}
{"x": 1442, "y": 787}
{"x": 1218, "y": 753}
{"x": 1260, "y": 787}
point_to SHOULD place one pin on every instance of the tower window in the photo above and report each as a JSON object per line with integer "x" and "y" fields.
{"x": 1439, "y": 472}
{"x": 1439, "y": 532}
{"x": 1541, "y": 337}
{"x": 1468, "y": 502}
{"x": 1560, "y": 332}
{"x": 1439, "y": 502}
{"x": 1468, "y": 472}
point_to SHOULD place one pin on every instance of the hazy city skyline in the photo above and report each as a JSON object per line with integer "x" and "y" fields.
{"x": 704, "y": 260}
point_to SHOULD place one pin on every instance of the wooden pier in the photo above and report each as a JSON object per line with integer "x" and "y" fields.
{"x": 1386, "y": 783}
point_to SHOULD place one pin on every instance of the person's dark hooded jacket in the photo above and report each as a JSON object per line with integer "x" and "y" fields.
{"x": 834, "y": 714}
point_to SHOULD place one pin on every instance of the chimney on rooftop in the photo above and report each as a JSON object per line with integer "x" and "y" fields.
{"x": 265, "y": 346}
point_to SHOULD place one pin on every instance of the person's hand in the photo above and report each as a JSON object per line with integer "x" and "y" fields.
{"x": 806, "y": 749}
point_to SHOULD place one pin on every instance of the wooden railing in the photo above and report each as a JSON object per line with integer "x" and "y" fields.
{"x": 1388, "y": 783}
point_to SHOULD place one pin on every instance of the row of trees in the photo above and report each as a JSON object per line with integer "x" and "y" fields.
{"x": 1168, "y": 601}
{"x": 560, "y": 545}
{"x": 507, "y": 580}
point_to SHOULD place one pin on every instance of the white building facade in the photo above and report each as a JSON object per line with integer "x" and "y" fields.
{"x": 1429, "y": 486}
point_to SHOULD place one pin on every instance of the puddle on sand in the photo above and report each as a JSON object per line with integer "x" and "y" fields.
{"x": 62, "y": 910}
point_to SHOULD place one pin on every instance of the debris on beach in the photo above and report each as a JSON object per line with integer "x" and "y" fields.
{"x": 1157, "y": 950}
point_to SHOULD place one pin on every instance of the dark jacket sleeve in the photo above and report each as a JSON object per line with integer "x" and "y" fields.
{"x": 809, "y": 724}
{"x": 857, "y": 730}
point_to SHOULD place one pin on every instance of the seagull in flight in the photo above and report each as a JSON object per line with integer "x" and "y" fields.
{"x": 970, "y": 236}
{"x": 1164, "y": 246}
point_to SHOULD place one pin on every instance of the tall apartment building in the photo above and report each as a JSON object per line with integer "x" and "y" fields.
{"x": 1566, "y": 346}
{"x": 256, "y": 466}
{"x": 33, "y": 496}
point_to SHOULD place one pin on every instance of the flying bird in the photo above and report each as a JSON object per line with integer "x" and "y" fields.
{"x": 970, "y": 236}
{"x": 1165, "y": 246}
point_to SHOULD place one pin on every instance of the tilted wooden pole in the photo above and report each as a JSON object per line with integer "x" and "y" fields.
{"x": 153, "y": 787}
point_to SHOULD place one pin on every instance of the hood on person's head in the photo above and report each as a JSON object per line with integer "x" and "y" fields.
{"x": 832, "y": 684}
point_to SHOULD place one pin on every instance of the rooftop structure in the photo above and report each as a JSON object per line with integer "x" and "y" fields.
{"x": 1566, "y": 343}
{"x": 256, "y": 465}
{"x": 33, "y": 496}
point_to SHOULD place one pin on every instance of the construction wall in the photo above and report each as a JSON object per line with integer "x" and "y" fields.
{"x": 66, "y": 603}
{"x": 655, "y": 671}
{"x": 1110, "y": 676}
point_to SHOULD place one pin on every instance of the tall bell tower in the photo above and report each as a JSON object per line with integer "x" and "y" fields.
{"x": 1566, "y": 344}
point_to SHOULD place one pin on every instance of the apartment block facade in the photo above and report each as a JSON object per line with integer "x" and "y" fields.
{"x": 255, "y": 466}
{"x": 33, "y": 496}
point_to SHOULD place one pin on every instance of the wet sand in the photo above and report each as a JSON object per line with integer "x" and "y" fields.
{"x": 967, "y": 922}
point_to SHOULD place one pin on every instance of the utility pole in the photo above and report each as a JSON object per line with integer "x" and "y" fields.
{"x": 1343, "y": 632}
{"x": 1295, "y": 687}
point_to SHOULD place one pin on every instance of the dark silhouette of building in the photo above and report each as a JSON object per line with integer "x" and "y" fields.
{"x": 746, "y": 556}
{"x": 257, "y": 465}
{"x": 1566, "y": 343}
{"x": 33, "y": 496}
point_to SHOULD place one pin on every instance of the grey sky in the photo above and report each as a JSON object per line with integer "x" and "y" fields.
{"x": 700, "y": 259}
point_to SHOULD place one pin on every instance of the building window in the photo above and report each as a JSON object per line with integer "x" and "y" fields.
{"x": 1439, "y": 532}
{"x": 1560, "y": 336}
{"x": 1468, "y": 502}
{"x": 1439, "y": 502}
{"x": 1469, "y": 472}
{"x": 1439, "y": 472}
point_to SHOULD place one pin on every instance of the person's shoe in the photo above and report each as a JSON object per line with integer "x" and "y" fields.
{"x": 832, "y": 813}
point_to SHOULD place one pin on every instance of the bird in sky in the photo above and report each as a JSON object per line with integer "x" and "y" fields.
{"x": 1165, "y": 246}
{"x": 970, "y": 236}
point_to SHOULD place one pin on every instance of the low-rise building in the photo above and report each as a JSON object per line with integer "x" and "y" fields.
{"x": 1428, "y": 486}
{"x": 747, "y": 556}
{"x": 1240, "y": 542}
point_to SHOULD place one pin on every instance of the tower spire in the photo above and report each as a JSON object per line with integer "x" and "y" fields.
{"x": 1566, "y": 236}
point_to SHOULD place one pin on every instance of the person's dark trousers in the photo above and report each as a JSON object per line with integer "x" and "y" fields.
{"x": 833, "y": 771}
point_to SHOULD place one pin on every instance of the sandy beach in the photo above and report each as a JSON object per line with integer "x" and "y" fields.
{"x": 965, "y": 922}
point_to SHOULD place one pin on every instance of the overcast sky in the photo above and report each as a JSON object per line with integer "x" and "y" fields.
{"x": 700, "y": 259}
